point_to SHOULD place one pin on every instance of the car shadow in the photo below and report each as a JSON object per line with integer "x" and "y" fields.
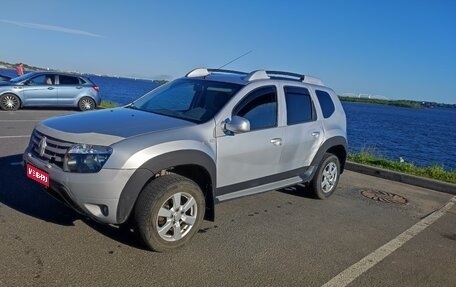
{"x": 21, "y": 194}
{"x": 299, "y": 190}
{"x": 125, "y": 233}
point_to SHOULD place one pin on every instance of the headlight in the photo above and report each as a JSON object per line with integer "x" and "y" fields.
{"x": 86, "y": 158}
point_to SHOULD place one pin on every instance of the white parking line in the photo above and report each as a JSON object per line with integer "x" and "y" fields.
{"x": 351, "y": 273}
{"x": 12, "y": 137}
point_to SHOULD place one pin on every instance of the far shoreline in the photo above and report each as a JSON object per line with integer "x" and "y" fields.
{"x": 398, "y": 103}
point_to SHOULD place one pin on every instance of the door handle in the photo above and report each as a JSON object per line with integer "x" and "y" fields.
{"x": 316, "y": 134}
{"x": 276, "y": 141}
{"x": 78, "y": 87}
{"x": 50, "y": 88}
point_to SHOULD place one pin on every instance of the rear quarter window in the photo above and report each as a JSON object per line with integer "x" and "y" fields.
{"x": 326, "y": 103}
{"x": 68, "y": 80}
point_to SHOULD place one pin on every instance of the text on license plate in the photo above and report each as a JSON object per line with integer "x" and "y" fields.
{"x": 38, "y": 175}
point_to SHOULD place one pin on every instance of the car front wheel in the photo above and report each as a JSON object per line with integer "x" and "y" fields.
{"x": 169, "y": 211}
{"x": 326, "y": 178}
{"x": 9, "y": 102}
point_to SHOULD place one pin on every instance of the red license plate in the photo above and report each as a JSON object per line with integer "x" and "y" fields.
{"x": 38, "y": 175}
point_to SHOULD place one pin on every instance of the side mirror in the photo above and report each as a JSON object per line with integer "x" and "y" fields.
{"x": 237, "y": 125}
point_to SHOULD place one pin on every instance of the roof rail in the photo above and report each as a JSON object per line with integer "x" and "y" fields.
{"x": 203, "y": 72}
{"x": 200, "y": 72}
{"x": 301, "y": 78}
{"x": 257, "y": 75}
{"x": 227, "y": 71}
{"x": 313, "y": 80}
{"x": 286, "y": 74}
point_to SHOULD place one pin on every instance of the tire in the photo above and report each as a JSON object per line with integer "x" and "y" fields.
{"x": 325, "y": 180}
{"x": 86, "y": 104}
{"x": 163, "y": 223}
{"x": 10, "y": 102}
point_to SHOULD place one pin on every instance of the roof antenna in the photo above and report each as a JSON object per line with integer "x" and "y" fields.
{"x": 245, "y": 54}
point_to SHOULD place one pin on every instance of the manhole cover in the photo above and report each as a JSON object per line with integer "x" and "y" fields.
{"x": 384, "y": 196}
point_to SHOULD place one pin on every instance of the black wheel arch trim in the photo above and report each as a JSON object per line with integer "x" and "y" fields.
{"x": 154, "y": 165}
{"x": 165, "y": 161}
{"x": 327, "y": 145}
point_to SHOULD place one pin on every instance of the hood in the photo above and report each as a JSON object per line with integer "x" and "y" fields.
{"x": 106, "y": 127}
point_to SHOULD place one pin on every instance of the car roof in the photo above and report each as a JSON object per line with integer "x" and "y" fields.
{"x": 54, "y": 73}
{"x": 29, "y": 75}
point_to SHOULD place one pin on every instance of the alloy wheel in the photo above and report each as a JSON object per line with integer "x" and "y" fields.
{"x": 86, "y": 104}
{"x": 329, "y": 177}
{"x": 10, "y": 102}
{"x": 176, "y": 216}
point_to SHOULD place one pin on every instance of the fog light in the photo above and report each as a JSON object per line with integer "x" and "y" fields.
{"x": 104, "y": 209}
{"x": 97, "y": 209}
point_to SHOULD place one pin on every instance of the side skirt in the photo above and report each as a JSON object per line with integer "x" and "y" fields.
{"x": 269, "y": 183}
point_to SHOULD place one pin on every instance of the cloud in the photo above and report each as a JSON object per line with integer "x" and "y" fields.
{"x": 51, "y": 28}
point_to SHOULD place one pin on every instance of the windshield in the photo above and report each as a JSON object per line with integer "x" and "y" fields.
{"x": 188, "y": 99}
{"x": 21, "y": 78}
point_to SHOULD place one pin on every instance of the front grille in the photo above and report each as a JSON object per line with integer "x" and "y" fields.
{"x": 54, "y": 151}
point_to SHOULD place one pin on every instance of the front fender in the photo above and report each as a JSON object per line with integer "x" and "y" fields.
{"x": 154, "y": 165}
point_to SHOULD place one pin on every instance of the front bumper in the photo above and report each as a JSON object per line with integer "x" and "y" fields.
{"x": 93, "y": 194}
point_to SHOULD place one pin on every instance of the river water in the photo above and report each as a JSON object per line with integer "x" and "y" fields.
{"x": 420, "y": 136}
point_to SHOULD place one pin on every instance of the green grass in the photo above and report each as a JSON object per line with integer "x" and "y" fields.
{"x": 108, "y": 105}
{"x": 437, "y": 172}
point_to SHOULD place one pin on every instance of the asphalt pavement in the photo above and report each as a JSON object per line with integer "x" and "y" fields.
{"x": 278, "y": 238}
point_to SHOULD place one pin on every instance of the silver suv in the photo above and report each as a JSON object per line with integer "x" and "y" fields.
{"x": 166, "y": 159}
{"x": 49, "y": 89}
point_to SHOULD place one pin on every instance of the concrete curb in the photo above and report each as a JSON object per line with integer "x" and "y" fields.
{"x": 402, "y": 177}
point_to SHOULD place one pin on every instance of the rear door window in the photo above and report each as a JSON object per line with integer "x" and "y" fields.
{"x": 300, "y": 108}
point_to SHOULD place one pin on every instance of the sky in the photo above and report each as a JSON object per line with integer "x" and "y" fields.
{"x": 393, "y": 49}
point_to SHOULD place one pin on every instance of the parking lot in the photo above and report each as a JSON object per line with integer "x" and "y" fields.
{"x": 279, "y": 238}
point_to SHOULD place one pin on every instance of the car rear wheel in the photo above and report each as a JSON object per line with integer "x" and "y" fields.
{"x": 169, "y": 211}
{"x": 86, "y": 104}
{"x": 326, "y": 178}
{"x": 10, "y": 102}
